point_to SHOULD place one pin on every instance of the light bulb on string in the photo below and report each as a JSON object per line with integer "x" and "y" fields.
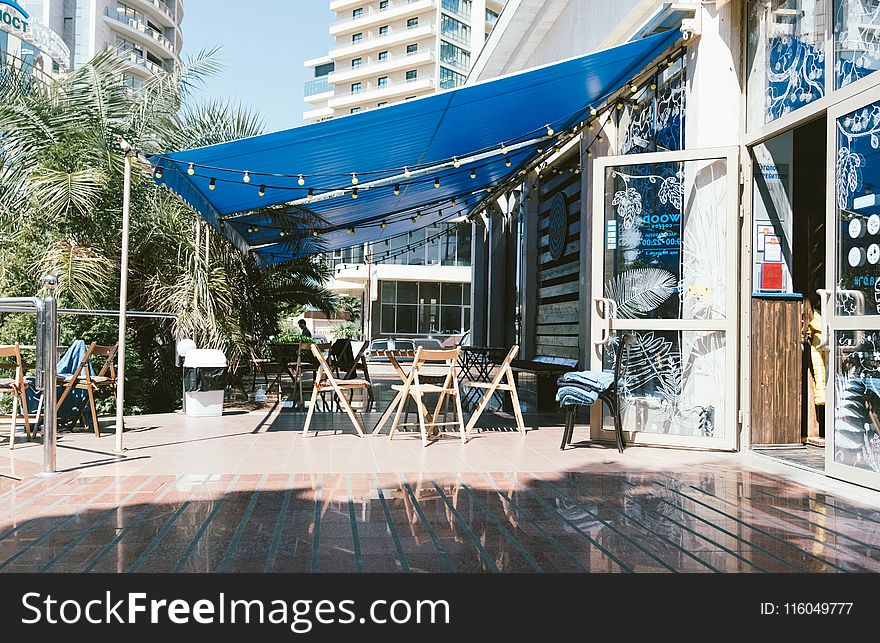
{"x": 262, "y": 191}
{"x": 191, "y": 170}
{"x": 354, "y": 179}
{"x": 619, "y": 106}
{"x": 503, "y": 148}
{"x": 354, "y": 193}
{"x": 315, "y": 233}
{"x": 396, "y": 189}
{"x": 436, "y": 183}
{"x": 351, "y": 231}
{"x": 473, "y": 174}
{"x": 301, "y": 180}
{"x": 633, "y": 88}
{"x": 213, "y": 184}
{"x": 507, "y": 162}
{"x": 310, "y": 194}
{"x": 406, "y": 173}
{"x": 593, "y": 111}
{"x": 550, "y": 131}
{"x": 455, "y": 162}
{"x": 247, "y": 177}
{"x": 383, "y": 225}
{"x": 653, "y": 85}
{"x": 281, "y": 234}
{"x": 159, "y": 172}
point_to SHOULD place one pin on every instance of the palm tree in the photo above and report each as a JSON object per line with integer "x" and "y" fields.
{"x": 60, "y": 210}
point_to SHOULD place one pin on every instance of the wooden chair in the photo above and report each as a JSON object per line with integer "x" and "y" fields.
{"x": 509, "y": 384}
{"x": 414, "y": 388}
{"x": 325, "y": 381}
{"x": 16, "y": 387}
{"x": 83, "y": 380}
{"x": 345, "y": 365}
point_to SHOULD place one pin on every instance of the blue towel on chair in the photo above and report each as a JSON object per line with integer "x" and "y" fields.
{"x": 76, "y": 403}
{"x": 582, "y": 388}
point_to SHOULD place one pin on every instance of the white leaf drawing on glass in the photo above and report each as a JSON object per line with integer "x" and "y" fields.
{"x": 629, "y": 206}
{"x": 640, "y": 290}
{"x": 847, "y": 175}
{"x": 855, "y": 32}
{"x": 672, "y": 190}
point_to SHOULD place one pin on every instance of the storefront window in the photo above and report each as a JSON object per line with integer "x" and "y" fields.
{"x": 856, "y": 40}
{"x": 857, "y": 184}
{"x": 665, "y": 242}
{"x": 857, "y": 397}
{"x": 786, "y": 57}
{"x": 426, "y": 308}
{"x": 654, "y": 121}
{"x": 447, "y": 244}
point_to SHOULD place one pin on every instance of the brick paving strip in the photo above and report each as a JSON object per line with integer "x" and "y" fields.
{"x": 21, "y": 552}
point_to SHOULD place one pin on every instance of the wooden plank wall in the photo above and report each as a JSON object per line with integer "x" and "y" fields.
{"x": 777, "y": 353}
{"x": 559, "y": 308}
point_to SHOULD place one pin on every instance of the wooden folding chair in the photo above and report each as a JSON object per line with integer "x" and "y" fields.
{"x": 414, "y": 388}
{"x": 509, "y": 384}
{"x": 16, "y": 387}
{"x": 325, "y": 381}
{"x": 83, "y": 380}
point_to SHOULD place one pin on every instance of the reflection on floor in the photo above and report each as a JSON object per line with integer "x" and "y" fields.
{"x": 806, "y": 456}
{"x": 699, "y": 518}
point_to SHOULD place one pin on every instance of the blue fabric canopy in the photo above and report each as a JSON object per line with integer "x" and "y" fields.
{"x": 521, "y": 113}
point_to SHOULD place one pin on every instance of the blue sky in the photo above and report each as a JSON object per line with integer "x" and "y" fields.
{"x": 263, "y": 51}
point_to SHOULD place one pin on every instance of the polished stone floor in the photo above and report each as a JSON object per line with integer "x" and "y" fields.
{"x": 247, "y": 492}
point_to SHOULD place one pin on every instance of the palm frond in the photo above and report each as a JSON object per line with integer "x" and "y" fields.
{"x": 58, "y": 192}
{"x": 84, "y": 273}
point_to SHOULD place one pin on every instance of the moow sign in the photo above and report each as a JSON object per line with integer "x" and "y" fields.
{"x": 17, "y": 17}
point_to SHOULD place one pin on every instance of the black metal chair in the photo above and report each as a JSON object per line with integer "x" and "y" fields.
{"x": 610, "y": 397}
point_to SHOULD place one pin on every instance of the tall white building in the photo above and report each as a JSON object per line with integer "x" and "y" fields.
{"x": 387, "y": 51}
{"x": 146, "y": 33}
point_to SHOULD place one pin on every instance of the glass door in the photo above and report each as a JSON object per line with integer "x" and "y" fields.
{"x": 664, "y": 272}
{"x": 851, "y": 306}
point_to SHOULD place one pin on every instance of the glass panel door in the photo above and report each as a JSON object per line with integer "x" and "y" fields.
{"x": 852, "y": 306}
{"x": 664, "y": 272}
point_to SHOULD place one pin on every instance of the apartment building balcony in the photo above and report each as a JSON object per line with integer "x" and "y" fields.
{"x": 139, "y": 64}
{"x": 318, "y": 113}
{"x": 373, "y": 17}
{"x": 161, "y": 11}
{"x": 371, "y": 93}
{"x": 377, "y": 68}
{"x": 140, "y": 32}
{"x": 338, "y": 5}
{"x": 318, "y": 89}
{"x": 393, "y": 37}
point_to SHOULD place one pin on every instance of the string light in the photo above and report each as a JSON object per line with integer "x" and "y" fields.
{"x": 212, "y": 184}
{"x": 507, "y": 162}
{"x": 383, "y": 225}
{"x": 406, "y": 173}
{"x": 191, "y": 170}
{"x": 351, "y": 231}
{"x": 396, "y": 189}
{"x": 281, "y": 234}
{"x": 436, "y": 183}
{"x": 503, "y": 148}
{"x": 473, "y": 174}
{"x": 653, "y": 85}
{"x": 633, "y": 88}
{"x": 262, "y": 191}
{"x": 354, "y": 193}
{"x": 159, "y": 172}
{"x": 301, "y": 180}
{"x": 315, "y": 233}
{"x": 619, "y": 106}
{"x": 593, "y": 111}
{"x": 455, "y": 162}
{"x": 310, "y": 194}
{"x": 247, "y": 177}
{"x": 549, "y": 131}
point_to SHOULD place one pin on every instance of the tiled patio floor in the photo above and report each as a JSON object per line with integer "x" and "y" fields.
{"x": 249, "y": 493}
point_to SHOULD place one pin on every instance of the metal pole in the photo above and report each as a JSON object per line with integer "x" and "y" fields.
{"x": 123, "y": 298}
{"x": 47, "y": 325}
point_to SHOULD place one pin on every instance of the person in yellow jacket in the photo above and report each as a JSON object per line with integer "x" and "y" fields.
{"x": 817, "y": 358}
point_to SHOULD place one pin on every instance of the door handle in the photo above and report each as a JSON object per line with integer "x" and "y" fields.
{"x": 825, "y": 305}
{"x": 609, "y": 312}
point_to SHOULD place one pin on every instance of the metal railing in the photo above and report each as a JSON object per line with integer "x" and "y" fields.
{"x": 140, "y": 26}
{"x": 46, "y": 311}
{"x": 318, "y": 86}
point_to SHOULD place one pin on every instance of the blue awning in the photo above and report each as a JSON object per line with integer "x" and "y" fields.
{"x": 450, "y": 146}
